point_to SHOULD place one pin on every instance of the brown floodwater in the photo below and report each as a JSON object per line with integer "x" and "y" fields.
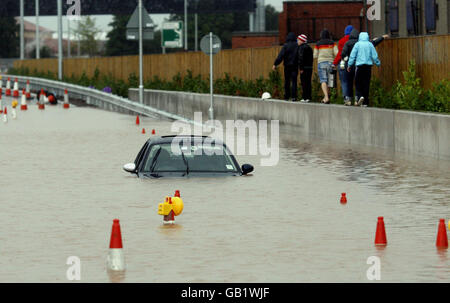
{"x": 62, "y": 184}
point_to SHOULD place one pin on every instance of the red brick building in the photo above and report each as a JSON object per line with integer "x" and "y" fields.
{"x": 310, "y": 17}
{"x": 254, "y": 39}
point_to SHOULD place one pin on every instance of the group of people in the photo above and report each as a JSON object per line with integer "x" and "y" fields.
{"x": 353, "y": 56}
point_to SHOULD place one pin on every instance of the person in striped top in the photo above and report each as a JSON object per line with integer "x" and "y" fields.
{"x": 325, "y": 51}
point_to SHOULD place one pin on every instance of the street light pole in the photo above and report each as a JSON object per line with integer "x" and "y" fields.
{"x": 185, "y": 25}
{"x": 22, "y": 39}
{"x": 141, "y": 80}
{"x": 60, "y": 48}
{"x": 38, "y": 42}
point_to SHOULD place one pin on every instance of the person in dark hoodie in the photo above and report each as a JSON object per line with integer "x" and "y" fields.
{"x": 325, "y": 51}
{"x": 305, "y": 65}
{"x": 346, "y": 51}
{"x": 289, "y": 56}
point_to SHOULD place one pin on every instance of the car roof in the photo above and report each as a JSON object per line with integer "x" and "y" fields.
{"x": 169, "y": 139}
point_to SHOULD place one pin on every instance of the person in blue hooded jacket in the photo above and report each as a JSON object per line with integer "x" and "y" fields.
{"x": 363, "y": 55}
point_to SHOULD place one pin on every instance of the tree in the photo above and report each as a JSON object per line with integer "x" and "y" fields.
{"x": 45, "y": 52}
{"x": 87, "y": 32}
{"x": 9, "y": 36}
{"x": 271, "y": 18}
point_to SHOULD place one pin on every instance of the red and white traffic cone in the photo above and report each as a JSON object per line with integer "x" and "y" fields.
{"x": 23, "y": 103}
{"x": 1, "y": 106}
{"x": 170, "y": 218}
{"x": 343, "y": 198}
{"x": 177, "y": 193}
{"x": 41, "y": 103}
{"x": 137, "y": 120}
{"x": 8, "y": 87}
{"x": 27, "y": 90}
{"x": 115, "y": 260}
{"x": 5, "y": 115}
{"x": 380, "y": 237}
{"x": 16, "y": 89}
{"x": 153, "y": 132}
{"x": 143, "y": 131}
{"x": 442, "y": 240}
{"x": 66, "y": 99}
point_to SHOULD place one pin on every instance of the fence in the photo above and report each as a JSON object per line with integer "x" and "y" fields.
{"x": 431, "y": 54}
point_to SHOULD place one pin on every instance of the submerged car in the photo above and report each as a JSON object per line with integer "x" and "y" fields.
{"x": 183, "y": 156}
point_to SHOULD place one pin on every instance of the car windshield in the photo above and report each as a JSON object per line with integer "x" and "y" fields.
{"x": 195, "y": 158}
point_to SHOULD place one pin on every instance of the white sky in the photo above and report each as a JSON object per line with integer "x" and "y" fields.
{"x": 102, "y": 21}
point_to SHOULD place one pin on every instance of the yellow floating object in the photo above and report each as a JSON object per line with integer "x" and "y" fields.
{"x": 164, "y": 208}
{"x": 14, "y": 103}
{"x": 177, "y": 205}
{"x": 448, "y": 224}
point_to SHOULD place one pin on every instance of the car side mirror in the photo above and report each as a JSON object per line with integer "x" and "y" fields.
{"x": 247, "y": 168}
{"x": 130, "y": 167}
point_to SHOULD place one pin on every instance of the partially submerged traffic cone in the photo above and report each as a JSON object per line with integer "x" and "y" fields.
{"x": 442, "y": 240}
{"x": 380, "y": 237}
{"x": 8, "y": 87}
{"x": 27, "y": 90}
{"x": 137, "y": 120}
{"x": 343, "y": 198}
{"x": 1, "y": 106}
{"x": 143, "y": 131}
{"x": 177, "y": 193}
{"x": 41, "y": 103}
{"x": 13, "y": 109}
{"x": 66, "y": 99}
{"x": 23, "y": 103}
{"x": 116, "y": 260}
{"x": 170, "y": 218}
{"x": 16, "y": 89}
{"x": 153, "y": 132}
{"x": 5, "y": 115}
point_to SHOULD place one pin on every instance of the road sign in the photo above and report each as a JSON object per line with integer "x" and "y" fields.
{"x": 205, "y": 44}
{"x": 147, "y": 26}
{"x": 172, "y": 34}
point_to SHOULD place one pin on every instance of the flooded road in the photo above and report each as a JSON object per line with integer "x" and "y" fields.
{"x": 62, "y": 184}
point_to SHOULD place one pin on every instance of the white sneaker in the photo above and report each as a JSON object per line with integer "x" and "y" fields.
{"x": 307, "y": 100}
{"x": 302, "y": 100}
{"x": 360, "y": 101}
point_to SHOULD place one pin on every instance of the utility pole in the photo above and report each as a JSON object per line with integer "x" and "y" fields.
{"x": 185, "y": 25}
{"x": 38, "y": 42}
{"x": 68, "y": 38}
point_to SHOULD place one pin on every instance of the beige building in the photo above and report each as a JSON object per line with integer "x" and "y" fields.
{"x": 404, "y": 18}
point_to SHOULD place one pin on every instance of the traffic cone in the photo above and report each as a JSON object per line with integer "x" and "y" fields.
{"x": 380, "y": 237}
{"x": 116, "y": 260}
{"x": 41, "y": 103}
{"x": 66, "y": 99}
{"x": 170, "y": 218}
{"x": 442, "y": 240}
{"x": 177, "y": 193}
{"x": 153, "y": 132}
{"x": 27, "y": 90}
{"x": 343, "y": 198}
{"x": 16, "y": 89}
{"x": 1, "y": 106}
{"x": 137, "y": 120}
{"x": 8, "y": 87}
{"x": 23, "y": 103}
{"x": 143, "y": 131}
{"x": 5, "y": 115}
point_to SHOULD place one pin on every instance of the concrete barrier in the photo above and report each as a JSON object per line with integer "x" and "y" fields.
{"x": 425, "y": 134}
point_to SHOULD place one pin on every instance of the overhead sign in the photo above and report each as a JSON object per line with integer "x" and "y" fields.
{"x": 206, "y": 47}
{"x": 172, "y": 34}
{"x": 147, "y": 26}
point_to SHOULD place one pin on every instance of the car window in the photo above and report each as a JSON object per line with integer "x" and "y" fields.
{"x": 199, "y": 158}
{"x": 140, "y": 154}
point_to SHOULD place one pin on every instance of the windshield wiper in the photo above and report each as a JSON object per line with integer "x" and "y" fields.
{"x": 154, "y": 159}
{"x": 185, "y": 162}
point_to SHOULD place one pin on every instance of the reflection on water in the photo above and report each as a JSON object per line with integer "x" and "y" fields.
{"x": 63, "y": 184}
{"x": 116, "y": 276}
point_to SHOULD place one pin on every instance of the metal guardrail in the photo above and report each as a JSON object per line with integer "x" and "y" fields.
{"x": 91, "y": 96}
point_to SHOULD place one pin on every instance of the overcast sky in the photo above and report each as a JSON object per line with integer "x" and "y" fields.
{"x": 102, "y": 21}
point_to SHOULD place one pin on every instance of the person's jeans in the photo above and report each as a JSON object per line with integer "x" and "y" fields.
{"x": 343, "y": 77}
